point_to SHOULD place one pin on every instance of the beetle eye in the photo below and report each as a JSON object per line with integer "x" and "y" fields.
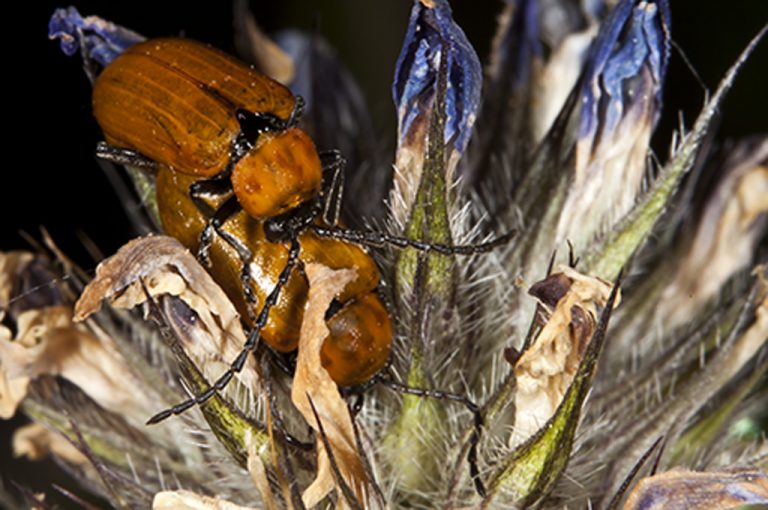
{"x": 254, "y": 124}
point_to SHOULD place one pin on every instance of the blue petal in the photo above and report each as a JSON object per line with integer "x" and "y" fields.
{"x": 298, "y": 46}
{"x": 521, "y": 42}
{"x": 633, "y": 37}
{"x": 102, "y": 41}
{"x": 432, "y": 33}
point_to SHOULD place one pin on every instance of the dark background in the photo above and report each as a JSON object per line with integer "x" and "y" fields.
{"x": 51, "y": 178}
{"x": 54, "y": 181}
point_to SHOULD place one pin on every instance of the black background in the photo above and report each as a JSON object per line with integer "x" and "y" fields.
{"x": 51, "y": 179}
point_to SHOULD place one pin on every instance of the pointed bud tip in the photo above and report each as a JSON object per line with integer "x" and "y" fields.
{"x": 431, "y": 34}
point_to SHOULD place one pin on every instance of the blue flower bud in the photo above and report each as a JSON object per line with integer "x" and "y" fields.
{"x": 432, "y": 35}
{"x": 101, "y": 40}
{"x": 519, "y": 44}
{"x": 632, "y": 46}
{"x": 619, "y": 104}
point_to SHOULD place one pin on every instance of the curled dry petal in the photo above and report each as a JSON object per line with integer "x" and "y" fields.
{"x": 557, "y": 78}
{"x": 546, "y": 369}
{"x": 725, "y": 239}
{"x": 258, "y": 472}
{"x": 432, "y": 36}
{"x": 691, "y": 490}
{"x": 48, "y": 342}
{"x": 35, "y": 442}
{"x": 565, "y": 31}
{"x": 755, "y": 337}
{"x": 11, "y": 263}
{"x": 160, "y": 265}
{"x": 256, "y": 47}
{"x": 312, "y": 381}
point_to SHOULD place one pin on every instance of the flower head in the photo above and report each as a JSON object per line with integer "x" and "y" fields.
{"x": 621, "y": 336}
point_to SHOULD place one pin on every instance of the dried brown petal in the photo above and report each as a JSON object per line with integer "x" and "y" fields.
{"x": 753, "y": 338}
{"x": 724, "y": 241}
{"x": 160, "y": 265}
{"x": 556, "y": 79}
{"x": 312, "y": 381}
{"x": 35, "y": 442}
{"x": 259, "y": 49}
{"x": 691, "y": 490}
{"x": 10, "y": 264}
{"x": 49, "y": 343}
{"x": 546, "y": 369}
{"x": 258, "y": 472}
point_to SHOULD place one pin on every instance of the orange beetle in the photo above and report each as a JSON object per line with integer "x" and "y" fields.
{"x": 360, "y": 330}
{"x": 202, "y": 113}
{"x": 230, "y": 159}
{"x": 219, "y": 125}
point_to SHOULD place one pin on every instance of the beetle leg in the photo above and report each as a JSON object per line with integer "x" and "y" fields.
{"x": 474, "y": 439}
{"x": 216, "y": 188}
{"x": 367, "y": 237}
{"x": 333, "y": 185}
{"x": 215, "y": 223}
{"x": 125, "y": 157}
{"x": 250, "y": 344}
{"x": 277, "y": 419}
{"x": 298, "y": 110}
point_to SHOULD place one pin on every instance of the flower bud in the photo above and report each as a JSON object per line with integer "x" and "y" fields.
{"x": 100, "y": 40}
{"x": 432, "y": 35}
{"x": 619, "y": 103}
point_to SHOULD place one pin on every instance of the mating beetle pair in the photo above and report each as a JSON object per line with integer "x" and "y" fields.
{"x": 226, "y": 178}
{"x": 239, "y": 183}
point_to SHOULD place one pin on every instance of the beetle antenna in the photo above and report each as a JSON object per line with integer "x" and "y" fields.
{"x": 250, "y": 345}
{"x": 370, "y": 238}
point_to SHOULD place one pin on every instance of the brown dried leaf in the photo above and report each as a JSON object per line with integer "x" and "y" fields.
{"x": 312, "y": 381}
{"x": 188, "y": 500}
{"x": 162, "y": 266}
{"x": 546, "y": 369}
{"x": 49, "y": 343}
{"x": 35, "y": 442}
{"x": 691, "y": 490}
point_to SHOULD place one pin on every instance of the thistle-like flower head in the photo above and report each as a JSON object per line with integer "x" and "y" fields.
{"x": 613, "y": 353}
